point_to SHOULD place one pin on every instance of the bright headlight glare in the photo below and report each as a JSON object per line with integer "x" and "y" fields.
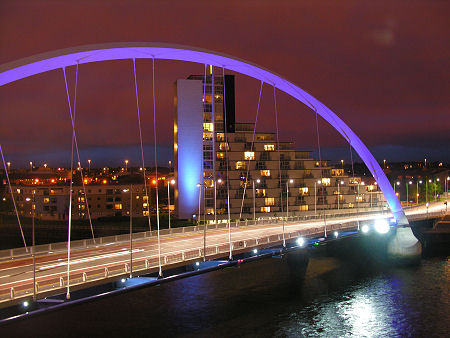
{"x": 300, "y": 241}
{"x": 381, "y": 226}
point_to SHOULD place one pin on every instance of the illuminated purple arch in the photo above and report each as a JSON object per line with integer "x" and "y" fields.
{"x": 40, "y": 63}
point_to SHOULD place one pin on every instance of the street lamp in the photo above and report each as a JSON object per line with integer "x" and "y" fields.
{"x": 168, "y": 197}
{"x": 131, "y": 227}
{"x": 32, "y": 200}
{"x": 199, "y": 186}
{"x": 31, "y": 165}
{"x": 89, "y": 166}
{"x": 435, "y": 188}
{"x": 287, "y": 208}
{"x": 339, "y": 195}
{"x": 448, "y": 181}
{"x": 417, "y": 191}
{"x": 384, "y": 164}
{"x": 218, "y": 181}
{"x": 9, "y": 165}
{"x": 407, "y": 195}
{"x": 315, "y": 195}
{"x": 342, "y": 164}
{"x": 396, "y": 183}
{"x": 126, "y": 165}
{"x": 254, "y": 199}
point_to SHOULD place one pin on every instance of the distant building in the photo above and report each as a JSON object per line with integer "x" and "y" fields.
{"x": 52, "y": 202}
{"x": 270, "y": 166}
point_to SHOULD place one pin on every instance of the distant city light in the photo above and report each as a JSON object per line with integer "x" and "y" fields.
{"x": 255, "y": 251}
{"x": 336, "y": 234}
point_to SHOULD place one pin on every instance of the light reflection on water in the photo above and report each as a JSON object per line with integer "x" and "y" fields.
{"x": 396, "y": 303}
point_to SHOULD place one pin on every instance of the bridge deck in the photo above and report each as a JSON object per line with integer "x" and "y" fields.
{"x": 109, "y": 257}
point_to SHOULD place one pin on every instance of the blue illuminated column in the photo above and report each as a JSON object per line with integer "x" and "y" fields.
{"x": 188, "y": 137}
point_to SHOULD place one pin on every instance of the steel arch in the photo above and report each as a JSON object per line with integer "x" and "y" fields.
{"x": 40, "y": 63}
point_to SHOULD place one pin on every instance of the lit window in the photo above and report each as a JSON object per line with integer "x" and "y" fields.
{"x": 145, "y": 198}
{"x": 270, "y": 201}
{"x": 223, "y": 146}
{"x": 326, "y": 181}
{"x": 208, "y": 183}
{"x": 118, "y": 206}
{"x": 249, "y": 155}
{"x": 208, "y": 127}
{"x": 303, "y": 191}
{"x": 46, "y": 200}
{"x": 220, "y": 136}
{"x": 269, "y": 147}
{"x": 265, "y": 173}
{"x": 241, "y": 165}
{"x": 145, "y": 213}
{"x": 260, "y": 192}
{"x": 265, "y": 209}
{"x": 207, "y": 136}
{"x": 220, "y": 156}
{"x": 144, "y": 205}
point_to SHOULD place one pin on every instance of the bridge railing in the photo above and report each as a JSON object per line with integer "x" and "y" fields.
{"x": 60, "y": 247}
{"x": 51, "y": 285}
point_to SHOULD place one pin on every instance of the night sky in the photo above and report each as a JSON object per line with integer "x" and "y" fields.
{"x": 382, "y": 66}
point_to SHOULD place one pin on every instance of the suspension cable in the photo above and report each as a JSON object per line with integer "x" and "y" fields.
{"x": 13, "y": 200}
{"x": 72, "y": 118}
{"x": 278, "y": 147}
{"x": 225, "y": 129}
{"x": 279, "y": 162}
{"x": 69, "y": 230}
{"x": 142, "y": 147}
{"x": 251, "y": 148}
{"x": 156, "y": 164}
{"x": 321, "y": 174}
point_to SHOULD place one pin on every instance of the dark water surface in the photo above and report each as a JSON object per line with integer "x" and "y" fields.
{"x": 337, "y": 298}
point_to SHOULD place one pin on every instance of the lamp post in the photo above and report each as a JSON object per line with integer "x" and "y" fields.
{"x": 339, "y": 194}
{"x": 89, "y": 166}
{"x": 407, "y": 193}
{"x": 254, "y": 199}
{"x": 384, "y": 164}
{"x": 396, "y": 183}
{"x": 426, "y": 188}
{"x": 9, "y": 165}
{"x": 131, "y": 227}
{"x": 417, "y": 191}
{"x": 126, "y": 165}
{"x": 32, "y": 200}
{"x": 218, "y": 181}
{"x": 168, "y": 197}
{"x": 342, "y": 164}
{"x": 199, "y": 196}
{"x": 31, "y": 165}
{"x": 448, "y": 181}
{"x": 315, "y": 196}
{"x": 435, "y": 188}
{"x": 287, "y": 208}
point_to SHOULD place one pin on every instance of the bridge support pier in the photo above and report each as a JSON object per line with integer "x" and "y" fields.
{"x": 404, "y": 248}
